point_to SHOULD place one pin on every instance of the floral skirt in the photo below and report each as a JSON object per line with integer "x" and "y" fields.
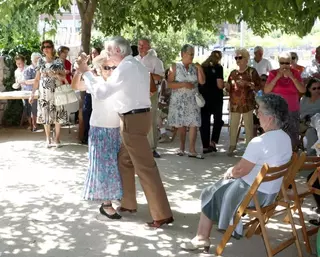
{"x": 103, "y": 181}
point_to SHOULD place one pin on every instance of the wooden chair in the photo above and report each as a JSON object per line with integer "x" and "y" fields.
{"x": 262, "y": 214}
{"x": 298, "y": 196}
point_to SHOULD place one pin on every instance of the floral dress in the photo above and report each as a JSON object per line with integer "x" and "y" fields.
{"x": 48, "y": 112}
{"x": 183, "y": 108}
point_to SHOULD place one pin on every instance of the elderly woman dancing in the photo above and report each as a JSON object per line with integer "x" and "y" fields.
{"x": 103, "y": 182}
{"x": 220, "y": 201}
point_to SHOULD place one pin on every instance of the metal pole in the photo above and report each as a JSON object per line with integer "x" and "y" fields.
{"x": 241, "y": 34}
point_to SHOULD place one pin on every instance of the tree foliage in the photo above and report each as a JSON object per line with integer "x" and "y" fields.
{"x": 110, "y": 16}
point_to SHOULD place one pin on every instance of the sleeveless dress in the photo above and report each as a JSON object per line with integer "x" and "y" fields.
{"x": 48, "y": 112}
{"x": 183, "y": 108}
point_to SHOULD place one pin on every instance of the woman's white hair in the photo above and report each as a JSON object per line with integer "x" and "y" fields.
{"x": 243, "y": 52}
{"x": 121, "y": 43}
{"x": 35, "y": 55}
{"x": 284, "y": 55}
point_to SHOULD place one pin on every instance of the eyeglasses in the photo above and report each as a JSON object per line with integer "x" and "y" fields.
{"x": 109, "y": 67}
{"x": 238, "y": 58}
{"x": 46, "y": 47}
{"x": 284, "y": 63}
{"x": 315, "y": 88}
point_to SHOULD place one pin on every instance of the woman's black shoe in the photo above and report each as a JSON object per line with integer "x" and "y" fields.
{"x": 114, "y": 216}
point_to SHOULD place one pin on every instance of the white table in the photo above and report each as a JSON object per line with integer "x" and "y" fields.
{"x": 16, "y": 95}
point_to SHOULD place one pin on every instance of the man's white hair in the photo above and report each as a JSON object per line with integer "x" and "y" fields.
{"x": 35, "y": 55}
{"x": 258, "y": 48}
{"x": 121, "y": 43}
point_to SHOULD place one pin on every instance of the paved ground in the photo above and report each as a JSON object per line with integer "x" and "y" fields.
{"x": 41, "y": 213}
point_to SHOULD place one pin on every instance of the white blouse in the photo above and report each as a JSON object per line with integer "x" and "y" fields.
{"x": 103, "y": 114}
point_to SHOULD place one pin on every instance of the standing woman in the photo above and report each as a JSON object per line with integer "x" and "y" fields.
{"x": 184, "y": 112}
{"x": 103, "y": 181}
{"x": 242, "y": 84}
{"x": 212, "y": 92}
{"x": 287, "y": 83}
{"x": 50, "y": 73}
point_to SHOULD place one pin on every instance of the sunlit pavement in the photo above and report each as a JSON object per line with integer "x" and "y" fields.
{"x": 42, "y": 214}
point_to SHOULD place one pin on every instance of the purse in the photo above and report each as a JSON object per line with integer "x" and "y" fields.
{"x": 64, "y": 95}
{"x": 199, "y": 99}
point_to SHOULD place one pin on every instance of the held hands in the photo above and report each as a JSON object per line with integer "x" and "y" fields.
{"x": 81, "y": 64}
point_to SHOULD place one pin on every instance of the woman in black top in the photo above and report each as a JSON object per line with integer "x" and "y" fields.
{"x": 212, "y": 91}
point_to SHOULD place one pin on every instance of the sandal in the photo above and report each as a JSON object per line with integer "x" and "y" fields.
{"x": 180, "y": 153}
{"x": 114, "y": 216}
{"x": 196, "y": 155}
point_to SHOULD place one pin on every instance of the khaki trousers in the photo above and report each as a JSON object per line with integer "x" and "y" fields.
{"x": 153, "y": 133}
{"x": 234, "y": 125}
{"x": 135, "y": 157}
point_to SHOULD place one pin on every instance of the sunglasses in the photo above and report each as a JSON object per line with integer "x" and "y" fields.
{"x": 238, "y": 58}
{"x": 293, "y": 58}
{"x": 284, "y": 63}
{"x": 46, "y": 47}
{"x": 109, "y": 67}
{"x": 315, "y": 88}
{"x": 263, "y": 80}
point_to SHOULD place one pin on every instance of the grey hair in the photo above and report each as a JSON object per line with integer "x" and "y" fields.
{"x": 121, "y": 43}
{"x": 258, "y": 48}
{"x": 34, "y": 55}
{"x": 145, "y": 39}
{"x": 274, "y": 105}
{"x": 284, "y": 55}
{"x": 185, "y": 48}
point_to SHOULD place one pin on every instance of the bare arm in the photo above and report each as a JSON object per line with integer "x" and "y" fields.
{"x": 77, "y": 83}
{"x": 220, "y": 83}
{"x": 241, "y": 169}
{"x": 36, "y": 82}
{"x": 201, "y": 76}
{"x": 301, "y": 88}
{"x": 269, "y": 86}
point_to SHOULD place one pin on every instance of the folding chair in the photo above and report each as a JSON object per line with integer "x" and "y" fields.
{"x": 304, "y": 163}
{"x": 262, "y": 214}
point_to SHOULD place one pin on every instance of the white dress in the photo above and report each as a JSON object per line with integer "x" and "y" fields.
{"x": 183, "y": 109}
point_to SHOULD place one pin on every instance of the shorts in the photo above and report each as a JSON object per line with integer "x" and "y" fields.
{"x": 30, "y": 109}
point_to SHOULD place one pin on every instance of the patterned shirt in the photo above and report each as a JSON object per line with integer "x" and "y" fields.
{"x": 29, "y": 73}
{"x": 242, "y": 96}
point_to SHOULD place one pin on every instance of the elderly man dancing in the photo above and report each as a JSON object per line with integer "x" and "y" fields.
{"x": 128, "y": 89}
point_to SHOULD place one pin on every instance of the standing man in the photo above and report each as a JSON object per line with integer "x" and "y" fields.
{"x": 262, "y": 65}
{"x": 129, "y": 89}
{"x": 155, "y": 66}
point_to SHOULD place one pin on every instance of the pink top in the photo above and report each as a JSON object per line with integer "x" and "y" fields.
{"x": 286, "y": 88}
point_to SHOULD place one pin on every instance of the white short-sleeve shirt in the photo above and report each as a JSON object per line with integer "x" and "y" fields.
{"x": 262, "y": 67}
{"x": 273, "y": 148}
{"x": 152, "y": 63}
{"x": 103, "y": 114}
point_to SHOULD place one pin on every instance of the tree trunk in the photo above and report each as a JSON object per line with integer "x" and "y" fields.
{"x": 87, "y": 9}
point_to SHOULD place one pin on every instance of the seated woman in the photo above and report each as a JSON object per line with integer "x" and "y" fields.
{"x": 309, "y": 106}
{"x": 220, "y": 201}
